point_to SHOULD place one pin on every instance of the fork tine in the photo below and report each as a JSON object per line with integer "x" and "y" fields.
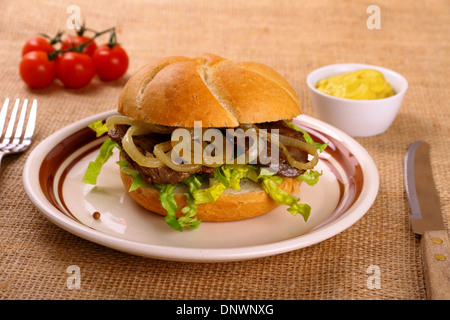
{"x": 11, "y": 124}
{"x": 3, "y": 115}
{"x": 31, "y": 122}
{"x": 20, "y": 124}
{"x": 20, "y": 142}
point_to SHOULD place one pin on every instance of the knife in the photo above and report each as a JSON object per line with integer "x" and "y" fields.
{"x": 426, "y": 220}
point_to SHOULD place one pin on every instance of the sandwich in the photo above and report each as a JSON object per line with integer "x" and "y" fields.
{"x": 208, "y": 139}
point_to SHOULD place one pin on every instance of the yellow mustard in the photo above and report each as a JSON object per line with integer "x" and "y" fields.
{"x": 365, "y": 84}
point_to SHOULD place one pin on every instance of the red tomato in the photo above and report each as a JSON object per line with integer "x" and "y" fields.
{"x": 37, "y": 44}
{"x": 73, "y": 41}
{"x": 75, "y": 70}
{"x": 110, "y": 63}
{"x": 36, "y": 70}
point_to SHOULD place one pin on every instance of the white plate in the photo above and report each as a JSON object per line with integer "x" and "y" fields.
{"x": 52, "y": 179}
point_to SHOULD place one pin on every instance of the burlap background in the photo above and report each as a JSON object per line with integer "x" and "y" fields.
{"x": 294, "y": 37}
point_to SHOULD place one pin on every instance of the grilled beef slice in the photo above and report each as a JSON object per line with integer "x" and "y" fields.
{"x": 145, "y": 144}
{"x": 284, "y": 168}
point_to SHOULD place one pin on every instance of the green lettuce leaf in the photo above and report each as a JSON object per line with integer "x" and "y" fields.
{"x": 236, "y": 175}
{"x": 189, "y": 219}
{"x": 308, "y": 139}
{"x": 94, "y": 167}
{"x": 190, "y": 210}
{"x": 210, "y": 194}
{"x": 270, "y": 185}
{"x": 231, "y": 176}
{"x": 167, "y": 199}
{"x": 255, "y": 173}
{"x": 225, "y": 176}
{"x": 311, "y": 177}
{"x": 137, "y": 180}
{"x": 99, "y": 127}
{"x": 193, "y": 183}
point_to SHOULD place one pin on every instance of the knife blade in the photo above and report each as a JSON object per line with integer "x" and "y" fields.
{"x": 426, "y": 220}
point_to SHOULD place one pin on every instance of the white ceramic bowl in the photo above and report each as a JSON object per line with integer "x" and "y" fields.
{"x": 358, "y": 118}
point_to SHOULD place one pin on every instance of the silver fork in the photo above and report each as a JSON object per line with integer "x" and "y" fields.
{"x": 21, "y": 139}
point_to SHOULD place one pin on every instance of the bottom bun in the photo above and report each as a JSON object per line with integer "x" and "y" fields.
{"x": 232, "y": 205}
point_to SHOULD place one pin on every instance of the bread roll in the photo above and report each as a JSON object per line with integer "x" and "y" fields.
{"x": 177, "y": 91}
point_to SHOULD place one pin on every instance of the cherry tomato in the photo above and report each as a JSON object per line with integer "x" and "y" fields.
{"x": 37, "y": 44}
{"x": 73, "y": 41}
{"x": 36, "y": 70}
{"x": 110, "y": 63}
{"x": 75, "y": 70}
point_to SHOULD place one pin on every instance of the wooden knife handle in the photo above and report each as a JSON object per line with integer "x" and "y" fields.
{"x": 436, "y": 264}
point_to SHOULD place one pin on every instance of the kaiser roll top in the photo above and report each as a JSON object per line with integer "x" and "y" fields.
{"x": 176, "y": 91}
